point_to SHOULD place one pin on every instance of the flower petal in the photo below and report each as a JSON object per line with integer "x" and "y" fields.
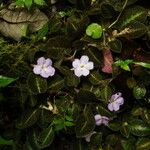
{"x": 110, "y": 107}
{"x": 120, "y": 100}
{"x": 44, "y": 74}
{"x": 89, "y": 65}
{"x": 98, "y": 119}
{"x": 50, "y": 71}
{"x": 78, "y": 72}
{"x": 85, "y": 72}
{"x": 41, "y": 61}
{"x": 88, "y": 136}
{"x": 116, "y": 96}
{"x": 84, "y": 59}
{"x": 76, "y": 63}
{"x": 48, "y": 62}
{"x": 116, "y": 106}
{"x": 37, "y": 69}
{"x": 105, "y": 120}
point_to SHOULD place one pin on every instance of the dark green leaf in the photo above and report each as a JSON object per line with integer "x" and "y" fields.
{"x": 56, "y": 84}
{"x": 85, "y": 123}
{"x": 95, "y": 78}
{"x": 125, "y": 129}
{"x": 46, "y": 137}
{"x": 28, "y": 119}
{"x": 37, "y": 84}
{"x": 86, "y": 97}
{"x": 139, "y": 92}
{"x": 139, "y": 128}
{"x": 128, "y": 144}
{"x": 114, "y": 126}
{"x": 131, "y": 15}
{"x": 143, "y": 144}
{"x": 106, "y": 93}
{"x": 145, "y": 114}
{"x": 115, "y": 45}
{"x": 6, "y": 142}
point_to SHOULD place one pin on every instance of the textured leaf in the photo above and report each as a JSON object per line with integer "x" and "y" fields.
{"x": 57, "y": 83}
{"x": 143, "y": 144}
{"x": 115, "y": 45}
{"x": 37, "y": 84}
{"x": 106, "y": 93}
{"x": 125, "y": 129}
{"x": 145, "y": 114}
{"x": 95, "y": 78}
{"x": 13, "y": 25}
{"x": 135, "y": 30}
{"x": 139, "y": 92}
{"x": 85, "y": 123}
{"x": 128, "y": 144}
{"x": 58, "y": 46}
{"x": 114, "y": 126}
{"x": 85, "y": 97}
{"x": 4, "y": 81}
{"x": 139, "y": 128}
{"x": 46, "y": 137}
{"x": 28, "y": 119}
{"x": 132, "y": 15}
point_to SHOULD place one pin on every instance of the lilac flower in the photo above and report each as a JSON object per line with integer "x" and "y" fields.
{"x": 99, "y": 120}
{"x": 44, "y": 67}
{"x": 115, "y": 102}
{"x": 88, "y": 136}
{"x": 82, "y": 66}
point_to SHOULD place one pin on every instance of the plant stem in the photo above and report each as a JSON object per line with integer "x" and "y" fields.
{"x": 119, "y": 14}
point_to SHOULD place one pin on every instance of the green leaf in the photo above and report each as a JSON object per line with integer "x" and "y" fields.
{"x": 36, "y": 84}
{"x": 143, "y": 64}
{"x": 85, "y": 123}
{"x": 28, "y": 119}
{"x": 143, "y": 144}
{"x": 58, "y": 46}
{"x": 114, "y": 126}
{"x": 46, "y": 137}
{"x": 106, "y": 93}
{"x": 69, "y": 124}
{"x": 28, "y": 3}
{"x": 131, "y": 15}
{"x": 95, "y": 78}
{"x": 107, "y": 11}
{"x": 139, "y": 92}
{"x": 128, "y": 144}
{"x": 86, "y": 97}
{"x": 131, "y": 82}
{"x": 124, "y": 64}
{"x": 6, "y": 142}
{"x": 115, "y": 45}
{"x": 135, "y": 30}
{"x": 94, "y": 30}
{"x": 42, "y": 32}
{"x": 139, "y": 128}
{"x": 72, "y": 80}
{"x": 4, "y": 81}
{"x": 146, "y": 115}
{"x": 104, "y": 111}
{"x": 56, "y": 84}
{"x": 39, "y": 2}
{"x": 125, "y": 129}
{"x": 95, "y": 55}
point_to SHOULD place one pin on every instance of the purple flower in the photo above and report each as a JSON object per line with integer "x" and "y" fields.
{"x": 88, "y": 136}
{"x": 82, "y": 66}
{"x": 99, "y": 120}
{"x": 44, "y": 67}
{"x": 115, "y": 102}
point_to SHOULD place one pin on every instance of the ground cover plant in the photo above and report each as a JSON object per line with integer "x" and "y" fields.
{"x": 75, "y": 75}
